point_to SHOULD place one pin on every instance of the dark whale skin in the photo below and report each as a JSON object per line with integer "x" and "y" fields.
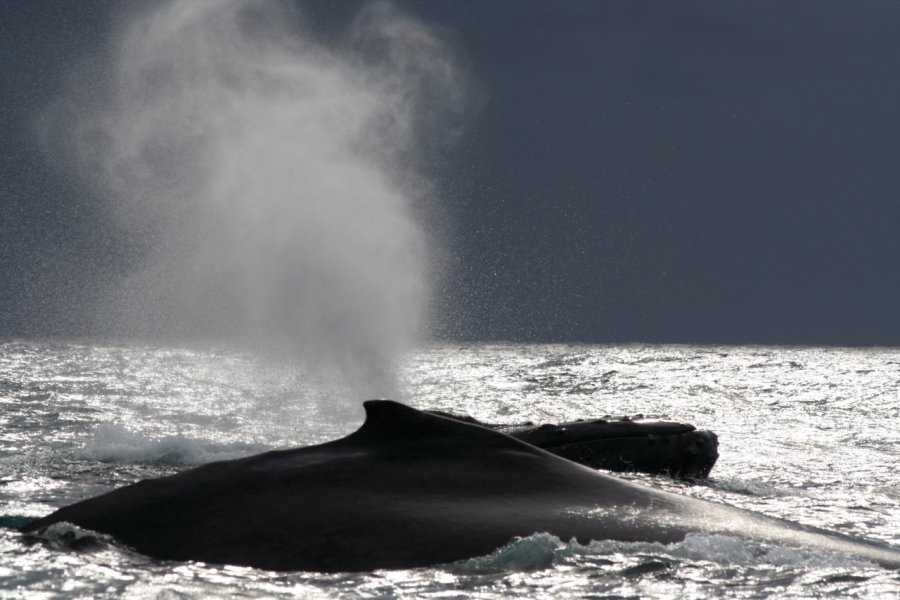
{"x": 655, "y": 447}
{"x": 407, "y": 489}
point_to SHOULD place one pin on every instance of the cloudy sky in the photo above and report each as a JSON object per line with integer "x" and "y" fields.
{"x": 693, "y": 172}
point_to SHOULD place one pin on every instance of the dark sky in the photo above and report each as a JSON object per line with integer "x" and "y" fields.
{"x": 695, "y": 172}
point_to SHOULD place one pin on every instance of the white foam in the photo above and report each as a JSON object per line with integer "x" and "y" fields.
{"x": 68, "y": 536}
{"x": 731, "y": 550}
{"x": 64, "y": 529}
{"x": 114, "y": 443}
{"x": 751, "y": 487}
{"x": 522, "y": 554}
{"x": 542, "y": 550}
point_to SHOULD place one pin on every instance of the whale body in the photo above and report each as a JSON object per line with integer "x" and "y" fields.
{"x": 408, "y": 489}
{"x": 623, "y": 444}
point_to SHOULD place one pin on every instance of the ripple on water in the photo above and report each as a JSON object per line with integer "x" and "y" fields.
{"x": 810, "y": 436}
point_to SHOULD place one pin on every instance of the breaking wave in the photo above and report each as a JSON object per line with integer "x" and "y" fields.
{"x": 116, "y": 444}
{"x": 543, "y": 551}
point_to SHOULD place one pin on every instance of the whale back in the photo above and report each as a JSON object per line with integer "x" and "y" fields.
{"x": 407, "y": 489}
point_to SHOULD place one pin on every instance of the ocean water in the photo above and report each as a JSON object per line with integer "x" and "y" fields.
{"x": 807, "y": 434}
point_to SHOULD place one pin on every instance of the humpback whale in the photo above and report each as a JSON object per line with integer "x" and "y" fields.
{"x": 623, "y": 444}
{"x": 408, "y": 489}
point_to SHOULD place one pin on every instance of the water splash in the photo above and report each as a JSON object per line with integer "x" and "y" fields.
{"x": 268, "y": 178}
{"x": 116, "y": 444}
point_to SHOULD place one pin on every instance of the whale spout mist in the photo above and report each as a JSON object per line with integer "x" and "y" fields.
{"x": 268, "y": 177}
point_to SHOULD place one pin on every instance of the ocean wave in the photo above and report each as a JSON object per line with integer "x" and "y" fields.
{"x": 542, "y": 551}
{"x": 751, "y": 487}
{"x": 66, "y": 536}
{"x": 14, "y": 521}
{"x": 537, "y": 551}
{"x": 116, "y": 444}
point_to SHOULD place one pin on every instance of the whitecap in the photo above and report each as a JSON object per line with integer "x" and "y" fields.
{"x": 542, "y": 551}
{"x": 529, "y": 553}
{"x": 116, "y": 444}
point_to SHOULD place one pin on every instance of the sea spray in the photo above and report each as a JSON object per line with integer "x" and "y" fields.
{"x": 268, "y": 178}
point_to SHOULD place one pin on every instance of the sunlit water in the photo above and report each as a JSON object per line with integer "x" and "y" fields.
{"x": 807, "y": 434}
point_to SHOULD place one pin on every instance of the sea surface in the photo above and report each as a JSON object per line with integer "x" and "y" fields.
{"x": 807, "y": 434}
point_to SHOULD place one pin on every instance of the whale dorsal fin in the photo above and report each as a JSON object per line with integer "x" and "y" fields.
{"x": 387, "y": 420}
